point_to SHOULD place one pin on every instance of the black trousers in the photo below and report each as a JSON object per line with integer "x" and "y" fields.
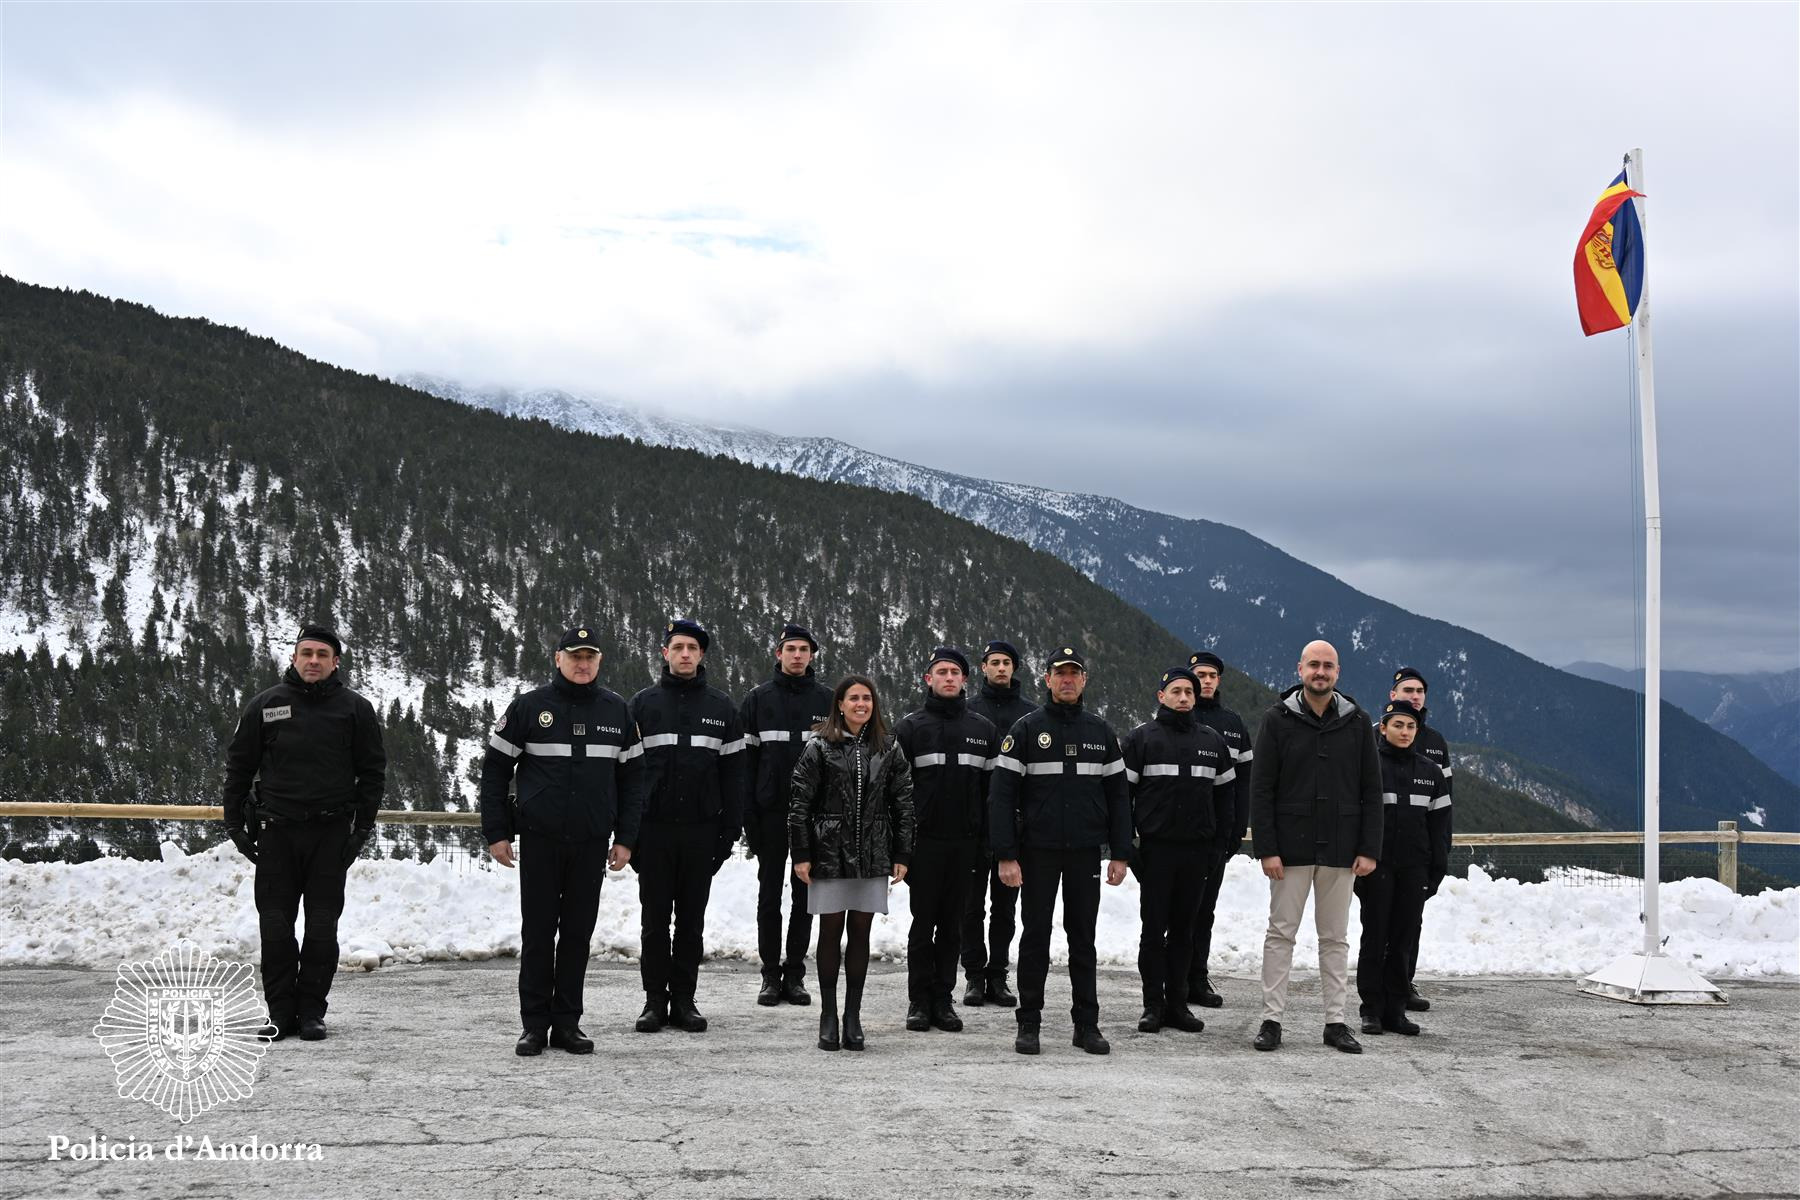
{"x": 938, "y": 881}
{"x": 559, "y": 900}
{"x": 1198, "y": 975}
{"x": 675, "y": 869}
{"x": 1076, "y": 873}
{"x": 774, "y": 876}
{"x": 1393, "y": 902}
{"x": 987, "y": 957}
{"x": 1412, "y": 947}
{"x": 300, "y": 868}
{"x": 1171, "y": 877}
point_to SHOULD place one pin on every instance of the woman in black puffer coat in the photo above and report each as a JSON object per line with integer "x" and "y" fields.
{"x": 850, "y": 830}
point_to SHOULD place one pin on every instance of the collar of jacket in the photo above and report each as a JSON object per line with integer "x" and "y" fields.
{"x": 1394, "y": 752}
{"x": 669, "y": 680}
{"x": 1061, "y": 711}
{"x": 945, "y": 706}
{"x": 1174, "y": 720}
{"x": 563, "y": 686}
{"x": 1342, "y": 706}
{"x": 793, "y": 683}
{"x": 1206, "y": 702}
{"x": 313, "y": 691}
{"x": 999, "y": 695}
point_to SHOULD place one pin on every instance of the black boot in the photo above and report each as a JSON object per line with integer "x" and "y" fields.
{"x": 828, "y": 1019}
{"x": 1372, "y": 1025}
{"x": 570, "y": 1038}
{"x": 793, "y": 989}
{"x": 1416, "y": 1002}
{"x": 530, "y": 1043}
{"x": 975, "y": 995}
{"x": 684, "y": 1016}
{"x": 944, "y": 1016}
{"x": 1179, "y": 1016}
{"x": 312, "y": 1029}
{"x": 998, "y": 993}
{"x": 1151, "y": 1021}
{"x": 1202, "y": 993}
{"x": 1089, "y": 1038}
{"x": 769, "y": 994}
{"x": 1395, "y": 1023}
{"x": 654, "y": 1016}
{"x": 853, "y": 1031}
{"x": 1027, "y": 1040}
{"x": 917, "y": 1019}
{"x": 1269, "y": 1036}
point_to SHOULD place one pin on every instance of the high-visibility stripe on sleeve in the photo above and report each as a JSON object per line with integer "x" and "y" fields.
{"x": 1046, "y": 768}
{"x": 1229, "y": 775}
{"x": 496, "y": 742}
{"x": 1113, "y": 767}
{"x": 751, "y": 741}
{"x": 1203, "y": 771}
{"x": 773, "y": 735}
{"x": 706, "y": 743}
{"x": 1440, "y": 802}
{"x": 929, "y": 760}
{"x": 732, "y": 747}
{"x": 1150, "y": 769}
{"x": 594, "y": 751}
{"x": 976, "y": 761}
{"x": 1418, "y": 801}
{"x": 1448, "y": 770}
{"x": 656, "y": 740}
{"x": 1244, "y": 755}
{"x": 1390, "y": 798}
{"x": 635, "y": 750}
{"x": 1007, "y": 762}
{"x": 550, "y": 749}
{"x": 1082, "y": 768}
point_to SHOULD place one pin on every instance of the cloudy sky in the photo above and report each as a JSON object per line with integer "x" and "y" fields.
{"x": 1305, "y": 270}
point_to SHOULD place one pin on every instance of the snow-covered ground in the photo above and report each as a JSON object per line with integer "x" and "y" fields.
{"x": 108, "y": 911}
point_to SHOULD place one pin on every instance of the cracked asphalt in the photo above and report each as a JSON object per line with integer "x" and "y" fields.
{"x": 1517, "y": 1088}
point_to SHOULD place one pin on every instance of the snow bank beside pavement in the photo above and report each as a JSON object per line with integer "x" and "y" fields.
{"x": 105, "y": 912}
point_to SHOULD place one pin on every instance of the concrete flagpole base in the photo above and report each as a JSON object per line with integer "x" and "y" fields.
{"x": 1651, "y": 979}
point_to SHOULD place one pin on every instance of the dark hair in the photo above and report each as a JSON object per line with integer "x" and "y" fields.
{"x": 832, "y": 728}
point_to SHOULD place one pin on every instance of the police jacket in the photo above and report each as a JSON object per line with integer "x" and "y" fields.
{"x": 1432, "y": 745}
{"x": 777, "y": 718}
{"x": 1232, "y": 799}
{"x": 693, "y": 754}
{"x": 1059, "y": 784}
{"x": 850, "y": 810}
{"x": 573, "y": 751}
{"x": 1415, "y": 798}
{"x": 951, "y": 750}
{"x": 1003, "y": 706}
{"x": 1315, "y": 786}
{"x": 313, "y": 749}
{"x": 1175, "y": 770}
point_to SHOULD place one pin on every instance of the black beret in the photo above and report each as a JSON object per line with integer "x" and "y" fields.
{"x": 1411, "y": 673}
{"x": 999, "y": 647}
{"x": 1174, "y": 673}
{"x": 321, "y": 633}
{"x": 1206, "y": 658}
{"x": 797, "y": 633}
{"x": 949, "y": 654}
{"x": 1399, "y": 708}
{"x": 681, "y": 625}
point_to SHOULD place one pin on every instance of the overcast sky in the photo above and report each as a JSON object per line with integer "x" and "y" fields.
{"x": 1305, "y": 270}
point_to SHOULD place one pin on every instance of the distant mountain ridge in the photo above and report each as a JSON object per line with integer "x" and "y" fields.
{"x": 1217, "y": 586}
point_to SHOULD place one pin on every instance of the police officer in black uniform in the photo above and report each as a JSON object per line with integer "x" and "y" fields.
{"x": 952, "y": 753}
{"x": 1058, "y": 802}
{"x": 1410, "y": 686}
{"x": 693, "y": 749}
{"x": 984, "y": 958}
{"x": 1172, "y": 766}
{"x": 1415, "y": 804}
{"x": 575, "y": 753}
{"x": 312, "y": 749}
{"x": 777, "y": 718}
{"x": 1232, "y": 804}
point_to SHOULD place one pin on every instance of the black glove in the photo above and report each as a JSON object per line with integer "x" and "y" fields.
{"x": 353, "y": 845}
{"x": 240, "y": 837}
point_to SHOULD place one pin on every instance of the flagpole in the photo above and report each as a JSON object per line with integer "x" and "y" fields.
{"x": 1646, "y": 380}
{"x": 1650, "y": 977}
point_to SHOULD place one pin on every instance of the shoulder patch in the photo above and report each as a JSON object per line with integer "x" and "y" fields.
{"x": 1006, "y": 745}
{"x": 502, "y": 724}
{"x": 546, "y": 719}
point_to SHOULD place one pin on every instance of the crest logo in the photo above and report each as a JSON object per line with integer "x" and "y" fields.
{"x": 545, "y": 719}
{"x": 182, "y": 1031}
{"x": 1043, "y": 741}
{"x": 581, "y": 633}
{"x": 1006, "y": 746}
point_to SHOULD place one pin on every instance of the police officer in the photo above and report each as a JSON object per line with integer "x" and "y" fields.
{"x": 1410, "y": 686}
{"x": 312, "y": 748}
{"x": 952, "y": 753}
{"x": 1232, "y": 805}
{"x": 778, "y": 718}
{"x": 693, "y": 813}
{"x": 1415, "y": 801}
{"x": 1058, "y": 800}
{"x": 984, "y": 959}
{"x": 574, "y": 751}
{"x": 1172, "y": 766}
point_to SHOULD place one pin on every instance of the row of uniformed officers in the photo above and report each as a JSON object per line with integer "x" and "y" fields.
{"x": 975, "y": 798}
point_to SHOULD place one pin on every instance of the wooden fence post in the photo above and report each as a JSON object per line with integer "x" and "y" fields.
{"x": 1728, "y": 854}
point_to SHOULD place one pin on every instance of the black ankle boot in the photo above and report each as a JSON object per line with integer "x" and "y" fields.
{"x": 828, "y": 1019}
{"x": 853, "y": 1031}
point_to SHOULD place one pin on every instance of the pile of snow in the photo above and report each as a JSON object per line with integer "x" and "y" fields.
{"x": 108, "y": 911}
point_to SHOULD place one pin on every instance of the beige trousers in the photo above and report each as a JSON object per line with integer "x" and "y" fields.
{"x": 1332, "y": 888}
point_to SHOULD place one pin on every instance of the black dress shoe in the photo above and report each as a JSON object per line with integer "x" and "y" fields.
{"x": 684, "y": 1016}
{"x": 1181, "y": 1017}
{"x": 917, "y": 1019}
{"x": 312, "y": 1029}
{"x": 944, "y": 1016}
{"x": 996, "y": 992}
{"x": 828, "y": 1031}
{"x": 793, "y": 990}
{"x": 1395, "y": 1024}
{"x": 853, "y": 1034}
{"x": 1027, "y": 1040}
{"x": 654, "y": 1016}
{"x": 572, "y": 1040}
{"x": 769, "y": 995}
{"x": 1371, "y": 1026}
{"x": 1269, "y": 1036}
{"x": 1416, "y": 1002}
{"x": 1339, "y": 1037}
{"x": 531, "y": 1043}
{"x": 1203, "y": 995}
{"x": 1089, "y": 1038}
{"x": 1151, "y": 1021}
{"x": 975, "y": 995}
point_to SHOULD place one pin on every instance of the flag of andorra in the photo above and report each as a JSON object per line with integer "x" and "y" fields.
{"x": 1609, "y": 261}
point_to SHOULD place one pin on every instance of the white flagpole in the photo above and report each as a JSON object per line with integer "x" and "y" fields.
{"x": 1650, "y": 977}
{"x": 1646, "y": 379}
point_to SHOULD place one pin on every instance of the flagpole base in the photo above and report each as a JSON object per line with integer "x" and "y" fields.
{"x": 1651, "y": 979}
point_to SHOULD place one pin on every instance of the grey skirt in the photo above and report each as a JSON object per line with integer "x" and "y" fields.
{"x": 847, "y": 895}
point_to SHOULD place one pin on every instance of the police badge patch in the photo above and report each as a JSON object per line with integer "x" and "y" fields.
{"x": 1044, "y": 740}
{"x": 1006, "y": 745}
{"x": 546, "y": 719}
